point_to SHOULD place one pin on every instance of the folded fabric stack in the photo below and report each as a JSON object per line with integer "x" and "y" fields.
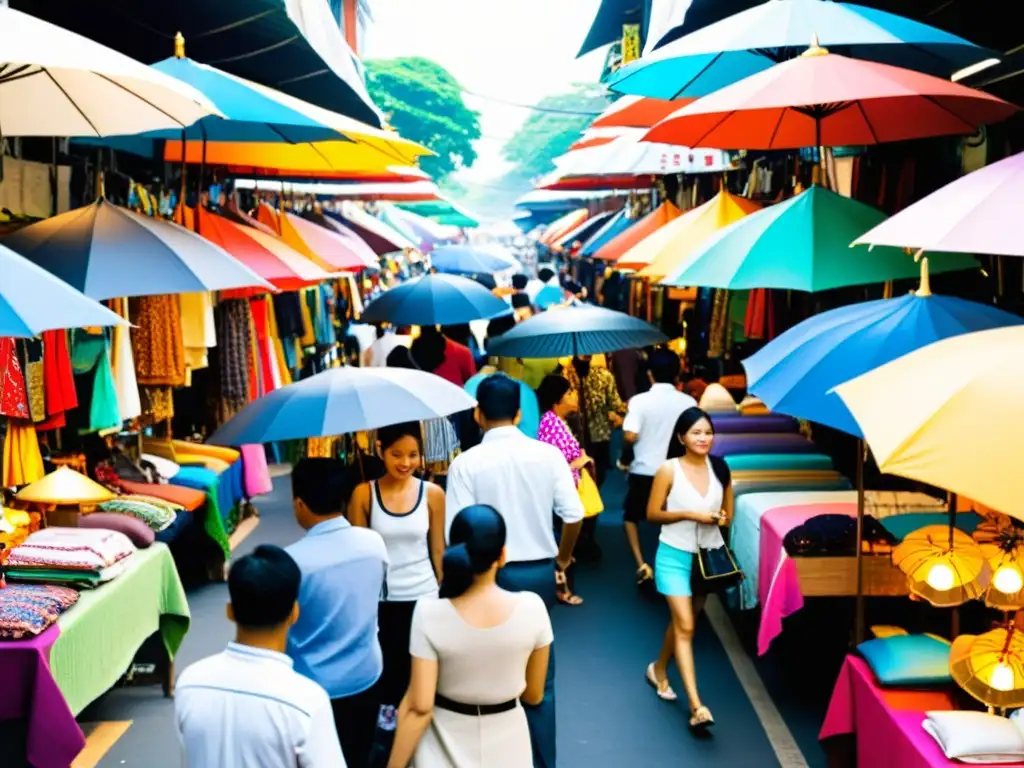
{"x": 156, "y": 513}
{"x": 976, "y": 737}
{"x": 28, "y": 609}
{"x": 80, "y": 556}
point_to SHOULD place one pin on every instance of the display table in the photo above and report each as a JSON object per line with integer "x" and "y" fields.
{"x": 885, "y": 722}
{"x": 51, "y": 678}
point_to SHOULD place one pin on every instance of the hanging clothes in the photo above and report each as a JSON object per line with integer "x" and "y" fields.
{"x": 13, "y": 395}
{"x": 59, "y": 379}
{"x": 717, "y": 334}
{"x": 23, "y": 462}
{"x": 122, "y": 366}
{"x": 198, "y": 329}
{"x": 30, "y": 352}
{"x": 759, "y": 322}
{"x": 261, "y": 313}
{"x": 157, "y": 405}
{"x": 288, "y": 312}
{"x": 157, "y": 341}
{"x": 103, "y": 409}
{"x": 235, "y": 341}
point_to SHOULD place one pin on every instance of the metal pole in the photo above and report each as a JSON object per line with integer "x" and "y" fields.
{"x": 858, "y": 618}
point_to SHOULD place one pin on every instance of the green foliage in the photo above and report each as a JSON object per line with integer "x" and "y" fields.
{"x": 424, "y": 103}
{"x": 546, "y": 135}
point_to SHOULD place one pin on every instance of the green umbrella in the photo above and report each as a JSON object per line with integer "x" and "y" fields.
{"x": 803, "y": 244}
{"x": 443, "y": 212}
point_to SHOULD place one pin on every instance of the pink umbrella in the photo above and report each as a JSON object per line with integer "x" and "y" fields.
{"x": 979, "y": 213}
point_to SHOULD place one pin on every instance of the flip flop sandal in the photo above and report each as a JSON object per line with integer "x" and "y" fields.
{"x": 661, "y": 688}
{"x": 701, "y": 719}
{"x": 566, "y": 597}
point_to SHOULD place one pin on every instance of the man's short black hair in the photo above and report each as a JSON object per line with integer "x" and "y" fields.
{"x": 519, "y": 282}
{"x": 520, "y": 301}
{"x": 324, "y": 484}
{"x": 545, "y": 273}
{"x": 664, "y": 366}
{"x": 498, "y": 397}
{"x": 263, "y": 587}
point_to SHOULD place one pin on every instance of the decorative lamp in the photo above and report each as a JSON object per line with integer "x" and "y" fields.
{"x": 990, "y": 667}
{"x": 943, "y": 565}
{"x": 1002, "y": 544}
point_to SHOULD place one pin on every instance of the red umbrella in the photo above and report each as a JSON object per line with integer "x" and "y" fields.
{"x": 637, "y": 112}
{"x": 823, "y": 99}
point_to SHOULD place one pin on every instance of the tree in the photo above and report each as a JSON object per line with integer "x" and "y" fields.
{"x": 547, "y": 134}
{"x": 424, "y": 103}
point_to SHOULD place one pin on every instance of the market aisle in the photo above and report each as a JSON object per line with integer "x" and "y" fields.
{"x": 607, "y": 715}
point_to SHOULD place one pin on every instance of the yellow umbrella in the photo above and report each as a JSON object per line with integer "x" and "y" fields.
{"x": 319, "y": 157}
{"x": 664, "y": 250}
{"x": 950, "y": 414}
{"x": 944, "y": 566}
{"x": 65, "y": 486}
{"x": 990, "y": 667}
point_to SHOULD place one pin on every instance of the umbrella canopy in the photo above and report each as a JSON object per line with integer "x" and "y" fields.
{"x": 990, "y": 667}
{"x": 32, "y": 301}
{"x": 630, "y": 157}
{"x": 615, "y": 247}
{"x": 106, "y": 252}
{"x": 442, "y": 211}
{"x": 802, "y": 244}
{"x": 755, "y": 39}
{"x": 615, "y": 225}
{"x": 428, "y": 232}
{"x": 577, "y": 330}
{"x": 374, "y": 232}
{"x": 797, "y": 372}
{"x": 637, "y": 112}
{"x": 343, "y": 400}
{"x": 549, "y": 296}
{"x": 325, "y": 247}
{"x": 57, "y": 83}
{"x": 563, "y": 224}
{"x": 582, "y": 232}
{"x": 355, "y": 243}
{"x": 977, "y": 213}
{"x": 435, "y": 300}
{"x": 470, "y": 260}
{"x": 824, "y": 99}
{"x": 915, "y": 411}
{"x": 661, "y": 252}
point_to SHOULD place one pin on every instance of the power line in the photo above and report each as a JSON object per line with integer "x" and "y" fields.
{"x": 548, "y": 110}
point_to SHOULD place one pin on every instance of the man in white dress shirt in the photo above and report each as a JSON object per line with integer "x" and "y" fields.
{"x": 527, "y": 482}
{"x": 246, "y": 707}
{"x": 650, "y": 418}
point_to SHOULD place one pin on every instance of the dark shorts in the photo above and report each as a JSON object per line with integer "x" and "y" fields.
{"x": 637, "y": 494}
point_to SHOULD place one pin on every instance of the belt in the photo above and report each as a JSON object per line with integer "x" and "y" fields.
{"x": 474, "y": 710}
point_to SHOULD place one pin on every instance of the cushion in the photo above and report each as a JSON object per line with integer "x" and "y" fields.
{"x": 908, "y": 660}
{"x": 164, "y": 467}
{"x": 71, "y": 548}
{"x": 28, "y": 609}
{"x": 156, "y": 517}
{"x": 200, "y": 478}
{"x": 190, "y": 498}
{"x": 976, "y": 737}
{"x": 170, "y": 506}
{"x": 140, "y": 534}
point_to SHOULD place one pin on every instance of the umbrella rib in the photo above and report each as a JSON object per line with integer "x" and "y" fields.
{"x": 693, "y": 79}
{"x": 867, "y": 122}
{"x": 950, "y": 111}
{"x": 775, "y": 130}
{"x": 144, "y": 100}
{"x": 73, "y": 103}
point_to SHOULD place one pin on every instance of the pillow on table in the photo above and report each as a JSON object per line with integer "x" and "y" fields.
{"x": 975, "y": 737}
{"x": 140, "y": 534}
{"x": 170, "y": 506}
{"x": 155, "y": 517}
{"x": 908, "y": 660}
{"x": 28, "y": 609}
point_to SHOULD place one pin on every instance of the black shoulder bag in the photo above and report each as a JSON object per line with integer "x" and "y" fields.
{"x": 716, "y": 569}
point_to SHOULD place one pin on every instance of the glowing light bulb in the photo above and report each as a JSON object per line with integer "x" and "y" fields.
{"x": 1008, "y": 579}
{"x": 1001, "y": 677}
{"x": 941, "y": 577}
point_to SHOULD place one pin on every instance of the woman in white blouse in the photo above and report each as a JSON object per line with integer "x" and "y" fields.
{"x": 692, "y": 499}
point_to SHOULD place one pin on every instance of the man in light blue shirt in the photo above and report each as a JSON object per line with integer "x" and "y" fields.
{"x": 334, "y": 642}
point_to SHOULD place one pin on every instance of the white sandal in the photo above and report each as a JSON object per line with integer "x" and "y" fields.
{"x": 662, "y": 689}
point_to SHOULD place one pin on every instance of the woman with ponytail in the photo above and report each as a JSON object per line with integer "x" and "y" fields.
{"x": 479, "y": 654}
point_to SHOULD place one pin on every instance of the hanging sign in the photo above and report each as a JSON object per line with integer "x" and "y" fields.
{"x": 630, "y": 43}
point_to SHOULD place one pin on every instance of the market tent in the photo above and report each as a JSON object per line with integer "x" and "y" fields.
{"x": 622, "y": 242}
{"x": 443, "y": 212}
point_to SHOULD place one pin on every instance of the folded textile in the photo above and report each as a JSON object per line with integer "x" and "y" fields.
{"x": 156, "y": 516}
{"x": 975, "y": 737}
{"x": 71, "y": 548}
{"x": 28, "y": 609}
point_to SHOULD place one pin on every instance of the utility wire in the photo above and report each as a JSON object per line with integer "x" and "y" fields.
{"x": 533, "y": 108}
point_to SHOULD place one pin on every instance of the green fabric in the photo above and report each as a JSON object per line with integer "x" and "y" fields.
{"x": 53, "y": 575}
{"x": 101, "y": 634}
{"x": 214, "y": 522}
{"x": 104, "y": 412}
{"x": 778, "y": 461}
{"x": 803, "y": 244}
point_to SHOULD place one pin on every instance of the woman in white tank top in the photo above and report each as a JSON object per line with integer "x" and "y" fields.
{"x": 691, "y": 498}
{"x": 408, "y": 513}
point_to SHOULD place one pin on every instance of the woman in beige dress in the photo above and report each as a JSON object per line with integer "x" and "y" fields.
{"x": 479, "y": 655}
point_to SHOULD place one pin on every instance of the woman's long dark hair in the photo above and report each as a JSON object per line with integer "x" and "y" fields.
{"x": 684, "y": 424}
{"x": 391, "y": 434}
{"x": 551, "y": 390}
{"x": 476, "y": 539}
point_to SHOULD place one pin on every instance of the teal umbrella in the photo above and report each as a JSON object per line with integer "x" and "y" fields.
{"x": 802, "y": 244}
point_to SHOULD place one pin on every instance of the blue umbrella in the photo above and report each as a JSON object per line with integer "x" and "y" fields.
{"x": 529, "y": 410}
{"x": 341, "y": 401}
{"x": 583, "y": 232}
{"x": 470, "y": 260}
{"x": 32, "y": 301}
{"x": 105, "y": 251}
{"x": 578, "y": 330}
{"x": 435, "y": 300}
{"x": 755, "y": 39}
{"x": 612, "y": 228}
{"x": 549, "y": 295}
{"x": 796, "y": 373}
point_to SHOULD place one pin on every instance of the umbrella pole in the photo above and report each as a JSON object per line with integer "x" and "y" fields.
{"x": 184, "y": 176}
{"x": 954, "y": 619}
{"x": 858, "y": 617}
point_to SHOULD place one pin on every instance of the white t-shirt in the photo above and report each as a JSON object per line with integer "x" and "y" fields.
{"x": 689, "y": 535}
{"x": 652, "y": 415}
{"x": 377, "y": 354}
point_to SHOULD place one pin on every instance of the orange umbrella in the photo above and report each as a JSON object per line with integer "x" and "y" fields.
{"x": 392, "y": 174}
{"x": 323, "y": 246}
{"x": 563, "y": 224}
{"x": 637, "y": 112}
{"x": 626, "y": 239}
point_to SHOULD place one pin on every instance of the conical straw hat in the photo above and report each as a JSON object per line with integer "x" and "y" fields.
{"x": 65, "y": 486}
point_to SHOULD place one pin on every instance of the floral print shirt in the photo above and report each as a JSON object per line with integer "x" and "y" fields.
{"x": 599, "y": 397}
{"x": 556, "y": 432}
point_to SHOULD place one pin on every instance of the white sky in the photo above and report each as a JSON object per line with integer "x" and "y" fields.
{"x": 514, "y": 50}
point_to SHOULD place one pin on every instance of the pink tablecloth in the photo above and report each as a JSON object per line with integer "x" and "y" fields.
{"x": 31, "y": 694}
{"x": 885, "y": 722}
{"x": 778, "y": 586}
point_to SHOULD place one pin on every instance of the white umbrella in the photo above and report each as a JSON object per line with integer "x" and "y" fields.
{"x": 56, "y": 83}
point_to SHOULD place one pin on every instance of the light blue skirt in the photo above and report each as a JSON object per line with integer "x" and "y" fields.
{"x": 673, "y": 571}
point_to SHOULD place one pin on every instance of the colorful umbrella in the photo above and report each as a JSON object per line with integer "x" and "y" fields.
{"x": 755, "y": 39}
{"x": 628, "y": 156}
{"x": 435, "y": 300}
{"x": 355, "y": 243}
{"x": 563, "y": 224}
{"x": 916, "y": 411}
{"x": 341, "y": 401}
{"x": 582, "y": 232}
{"x": 326, "y": 248}
{"x": 57, "y": 83}
{"x": 378, "y": 235}
{"x": 106, "y": 252}
{"x": 823, "y": 99}
{"x": 661, "y": 252}
{"x": 797, "y": 373}
{"x": 576, "y": 330}
{"x": 977, "y": 213}
{"x": 637, "y": 112}
{"x": 32, "y": 301}
{"x": 802, "y": 244}
{"x": 471, "y": 260}
{"x": 617, "y": 224}
{"x": 613, "y": 248}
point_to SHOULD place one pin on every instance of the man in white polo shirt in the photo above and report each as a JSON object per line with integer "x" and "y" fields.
{"x": 650, "y": 418}
{"x": 246, "y": 707}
